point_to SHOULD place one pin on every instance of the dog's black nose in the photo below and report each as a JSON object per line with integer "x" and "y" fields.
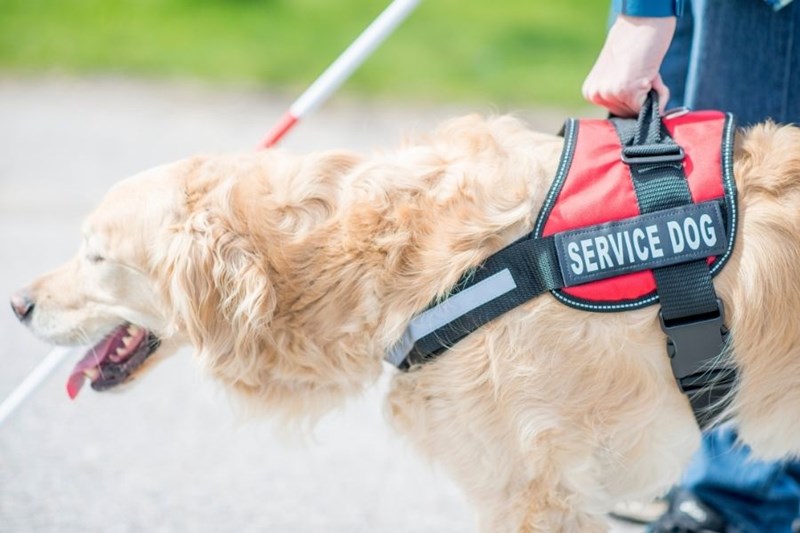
{"x": 22, "y": 304}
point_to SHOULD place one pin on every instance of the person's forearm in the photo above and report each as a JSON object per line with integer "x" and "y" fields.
{"x": 628, "y": 65}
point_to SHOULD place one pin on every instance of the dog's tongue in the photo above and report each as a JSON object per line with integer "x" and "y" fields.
{"x": 89, "y": 366}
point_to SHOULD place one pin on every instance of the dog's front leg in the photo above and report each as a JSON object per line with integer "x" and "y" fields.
{"x": 461, "y": 426}
{"x": 536, "y": 510}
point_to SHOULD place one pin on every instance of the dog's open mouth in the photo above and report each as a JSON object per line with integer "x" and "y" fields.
{"x": 112, "y": 360}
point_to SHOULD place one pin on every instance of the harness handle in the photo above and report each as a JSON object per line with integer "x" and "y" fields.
{"x": 646, "y": 143}
{"x": 648, "y": 125}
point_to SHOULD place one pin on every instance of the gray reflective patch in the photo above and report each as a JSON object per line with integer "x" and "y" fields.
{"x": 668, "y": 237}
{"x": 452, "y": 308}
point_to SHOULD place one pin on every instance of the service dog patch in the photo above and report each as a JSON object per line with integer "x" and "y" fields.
{"x": 648, "y": 241}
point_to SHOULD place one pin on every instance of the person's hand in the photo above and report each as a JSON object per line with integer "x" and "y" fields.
{"x": 627, "y": 67}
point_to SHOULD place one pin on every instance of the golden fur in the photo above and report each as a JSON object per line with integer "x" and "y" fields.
{"x": 292, "y": 276}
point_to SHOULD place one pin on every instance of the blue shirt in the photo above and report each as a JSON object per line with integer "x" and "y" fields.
{"x": 648, "y": 8}
{"x": 666, "y": 8}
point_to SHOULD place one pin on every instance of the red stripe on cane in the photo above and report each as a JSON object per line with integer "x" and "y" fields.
{"x": 278, "y": 130}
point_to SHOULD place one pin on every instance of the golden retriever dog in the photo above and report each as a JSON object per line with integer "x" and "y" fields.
{"x": 292, "y": 275}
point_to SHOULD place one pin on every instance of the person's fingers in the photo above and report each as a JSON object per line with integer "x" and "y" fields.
{"x": 608, "y": 105}
{"x": 613, "y": 103}
{"x": 590, "y": 91}
{"x": 638, "y": 94}
{"x": 592, "y": 94}
{"x": 597, "y": 90}
{"x": 623, "y": 99}
{"x": 620, "y": 109}
{"x": 626, "y": 100}
{"x": 663, "y": 93}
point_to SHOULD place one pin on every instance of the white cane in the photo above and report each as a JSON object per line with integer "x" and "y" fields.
{"x": 32, "y": 382}
{"x": 342, "y": 68}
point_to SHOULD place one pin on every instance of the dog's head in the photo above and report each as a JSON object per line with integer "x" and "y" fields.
{"x": 158, "y": 267}
{"x": 195, "y": 253}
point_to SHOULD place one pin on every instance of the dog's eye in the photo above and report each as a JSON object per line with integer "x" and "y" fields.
{"x": 95, "y": 258}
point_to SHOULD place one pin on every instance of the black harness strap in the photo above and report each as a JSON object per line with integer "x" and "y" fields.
{"x": 656, "y": 165}
{"x": 691, "y": 314}
{"x": 533, "y": 266}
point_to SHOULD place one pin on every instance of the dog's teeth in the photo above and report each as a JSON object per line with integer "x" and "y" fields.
{"x": 92, "y": 373}
{"x": 133, "y": 330}
{"x": 126, "y": 340}
{"x": 120, "y": 351}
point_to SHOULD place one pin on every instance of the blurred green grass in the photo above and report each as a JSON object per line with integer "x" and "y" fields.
{"x": 501, "y": 52}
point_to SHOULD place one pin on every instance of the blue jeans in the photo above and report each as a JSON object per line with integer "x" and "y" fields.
{"x": 742, "y": 57}
{"x": 753, "y": 496}
{"x": 738, "y": 56}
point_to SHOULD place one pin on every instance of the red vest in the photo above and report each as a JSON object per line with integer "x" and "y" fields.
{"x": 594, "y": 186}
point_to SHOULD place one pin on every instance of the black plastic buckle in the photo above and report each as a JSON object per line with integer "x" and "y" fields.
{"x": 693, "y": 344}
{"x": 652, "y": 154}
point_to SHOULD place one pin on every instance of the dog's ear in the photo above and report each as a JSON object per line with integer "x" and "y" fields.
{"x": 219, "y": 290}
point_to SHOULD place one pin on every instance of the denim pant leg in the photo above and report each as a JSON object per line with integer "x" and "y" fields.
{"x": 753, "y": 496}
{"x": 745, "y": 59}
{"x": 675, "y": 67}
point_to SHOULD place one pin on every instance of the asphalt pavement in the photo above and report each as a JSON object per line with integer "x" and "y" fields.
{"x": 170, "y": 454}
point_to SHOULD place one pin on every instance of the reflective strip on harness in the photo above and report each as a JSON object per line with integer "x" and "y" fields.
{"x": 449, "y": 310}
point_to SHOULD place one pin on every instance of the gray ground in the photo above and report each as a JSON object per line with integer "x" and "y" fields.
{"x": 169, "y": 455}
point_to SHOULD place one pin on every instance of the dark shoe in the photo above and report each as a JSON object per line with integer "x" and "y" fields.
{"x": 687, "y": 514}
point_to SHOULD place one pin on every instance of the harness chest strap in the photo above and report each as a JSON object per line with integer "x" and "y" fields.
{"x": 668, "y": 241}
{"x": 691, "y": 314}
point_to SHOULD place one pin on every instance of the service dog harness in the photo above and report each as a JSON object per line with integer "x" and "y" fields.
{"x": 641, "y": 211}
